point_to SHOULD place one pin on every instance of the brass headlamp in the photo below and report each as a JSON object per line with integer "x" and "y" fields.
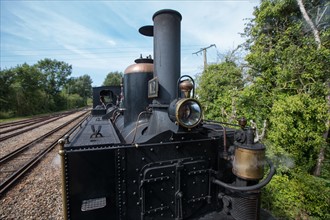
{"x": 186, "y": 112}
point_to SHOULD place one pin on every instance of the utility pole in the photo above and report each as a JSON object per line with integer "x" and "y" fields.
{"x": 204, "y": 54}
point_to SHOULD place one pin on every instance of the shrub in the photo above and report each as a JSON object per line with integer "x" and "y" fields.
{"x": 298, "y": 195}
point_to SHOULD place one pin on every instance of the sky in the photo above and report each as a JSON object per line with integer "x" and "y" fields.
{"x": 99, "y": 37}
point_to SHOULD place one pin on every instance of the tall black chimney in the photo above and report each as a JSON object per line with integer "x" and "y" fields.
{"x": 167, "y": 65}
{"x": 167, "y": 56}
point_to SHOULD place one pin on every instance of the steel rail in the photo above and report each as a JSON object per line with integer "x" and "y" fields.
{"x": 25, "y": 121}
{"x": 19, "y": 126}
{"x": 29, "y": 129}
{"x": 4, "y": 186}
{"x": 39, "y": 139}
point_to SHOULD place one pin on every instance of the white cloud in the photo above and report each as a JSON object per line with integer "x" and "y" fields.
{"x": 102, "y": 36}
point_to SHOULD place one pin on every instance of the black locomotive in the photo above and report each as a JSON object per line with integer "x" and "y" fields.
{"x": 146, "y": 153}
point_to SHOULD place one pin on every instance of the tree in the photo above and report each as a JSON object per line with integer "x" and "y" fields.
{"x": 113, "y": 79}
{"x": 82, "y": 86}
{"x": 297, "y": 127}
{"x": 317, "y": 39}
{"x": 56, "y": 74}
{"x": 218, "y": 87}
{"x": 22, "y": 90}
{"x": 29, "y": 90}
{"x": 7, "y": 78}
{"x": 310, "y": 23}
{"x": 289, "y": 73}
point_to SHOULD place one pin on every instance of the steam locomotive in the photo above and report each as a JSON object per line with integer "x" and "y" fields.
{"x": 146, "y": 153}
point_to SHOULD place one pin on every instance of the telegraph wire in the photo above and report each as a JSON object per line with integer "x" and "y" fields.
{"x": 204, "y": 54}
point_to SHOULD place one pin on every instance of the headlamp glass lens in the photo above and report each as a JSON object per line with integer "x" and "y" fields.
{"x": 189, "y": 113}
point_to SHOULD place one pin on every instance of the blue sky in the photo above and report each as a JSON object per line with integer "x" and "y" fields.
{"x": 98, "y": 37}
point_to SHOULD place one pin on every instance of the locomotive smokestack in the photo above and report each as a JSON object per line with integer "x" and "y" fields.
{"x": 167, "y": 64}
{"x": 167, "y": 57}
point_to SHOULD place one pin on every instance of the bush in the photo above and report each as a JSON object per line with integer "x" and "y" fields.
{"x": 298, "y": 196}
{"x": 5, "y": 115}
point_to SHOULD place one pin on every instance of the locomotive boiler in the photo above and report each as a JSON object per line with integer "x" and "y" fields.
{"x": 147, "y": 153}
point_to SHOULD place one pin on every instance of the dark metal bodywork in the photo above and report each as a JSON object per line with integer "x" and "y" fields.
{"x": 137, "y": 162}
{"x": 169, "y": 180}
{"x": 105, "y": 179}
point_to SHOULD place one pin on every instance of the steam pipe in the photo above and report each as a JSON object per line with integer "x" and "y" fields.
{"x": 249, "y": 188}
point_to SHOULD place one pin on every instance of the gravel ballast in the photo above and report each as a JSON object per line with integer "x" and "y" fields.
{"x": 38, "y": 195}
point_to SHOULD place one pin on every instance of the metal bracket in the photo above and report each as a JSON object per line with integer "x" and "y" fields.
{"x": 96, "y": 132}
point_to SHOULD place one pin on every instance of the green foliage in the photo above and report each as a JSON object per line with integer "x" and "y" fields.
{"x": 6, "y": 115}
{"x": 7, "y": 78}
{"x": 298, "y": 196}
{"x": 288, "y": 85}
{"x": 29, "y": 90}
{"x": 75, "y": 101}
{"x": 218, "y": 98}
{"x": 82, "y": 86}
{"x": 113, "y": 79}
{"x": 284, "y": 58}
{"x": 22, "y": 90}
{"x": 255, "y": 102}
{"x": 296, "y": 127}
{"x": 55, "y": 73}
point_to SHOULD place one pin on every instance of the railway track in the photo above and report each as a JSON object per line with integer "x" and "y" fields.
{"x": 33, "y": 119}
{"x": 15, "y": 164}
{"x": 19, "y": 127}
{"x": 22, "y": 122}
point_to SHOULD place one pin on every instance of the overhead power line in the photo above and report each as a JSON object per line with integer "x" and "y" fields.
{"x": 204, "y": 54}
